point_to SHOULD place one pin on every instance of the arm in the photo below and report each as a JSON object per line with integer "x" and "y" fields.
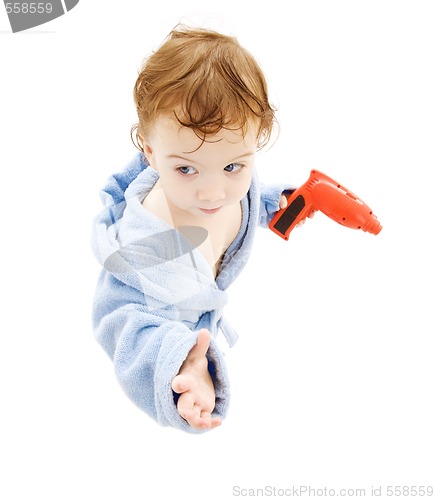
{"x": 148, "y": 351}
{"x": 272, "y": 198}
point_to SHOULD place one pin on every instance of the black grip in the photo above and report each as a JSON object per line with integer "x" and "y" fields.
{"x": 290, "y": 214}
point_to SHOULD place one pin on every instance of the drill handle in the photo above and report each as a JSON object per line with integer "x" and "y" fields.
{"x": 298, "y": 208}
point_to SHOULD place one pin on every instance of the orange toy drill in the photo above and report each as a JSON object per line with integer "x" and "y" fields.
{"x": 322, "y": 193}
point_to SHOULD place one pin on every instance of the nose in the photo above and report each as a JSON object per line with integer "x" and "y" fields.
{"x": 211, "y": 191}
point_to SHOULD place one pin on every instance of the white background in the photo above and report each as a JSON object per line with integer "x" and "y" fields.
{"x": 333, "y": 375}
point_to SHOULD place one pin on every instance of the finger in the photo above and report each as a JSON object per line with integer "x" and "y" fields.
{"x": 185, "y": 405}
{"x": 205, "y": 421}
{"x": 180, "y": 384}
{"x": 202, "y": 343}
{"x": 192, "y": 415}
{"x": 215, "y": 422}
{"x": 283, "y": 202}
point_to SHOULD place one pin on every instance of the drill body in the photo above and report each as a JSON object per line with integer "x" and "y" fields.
{"x": 322, "y": 193}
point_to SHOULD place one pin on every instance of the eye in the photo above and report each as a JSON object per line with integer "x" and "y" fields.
{"x": 233, "y": 167}
{"x": 186, "y": 170}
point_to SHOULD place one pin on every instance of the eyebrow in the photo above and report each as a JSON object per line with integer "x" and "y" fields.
{"x": 178, "y": 157}
{"x": 184, "y": 158}
{"x": 246, "y": 155}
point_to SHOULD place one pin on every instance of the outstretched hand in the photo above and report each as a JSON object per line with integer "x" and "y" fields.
{"x": 195, "y": 386}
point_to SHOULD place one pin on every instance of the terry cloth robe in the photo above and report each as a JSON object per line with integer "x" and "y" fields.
{"x": 156, "y": 290}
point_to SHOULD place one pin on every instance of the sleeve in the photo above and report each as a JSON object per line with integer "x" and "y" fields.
{"x": 113, "y": 191}
{"x": 269, "y": 201}
{"x": 148, "y": 350}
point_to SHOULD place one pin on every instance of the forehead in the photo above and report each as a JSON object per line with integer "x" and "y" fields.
{"x": 171, "y": 134}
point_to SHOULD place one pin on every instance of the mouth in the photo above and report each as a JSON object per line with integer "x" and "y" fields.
{"x": 210, "y": 211}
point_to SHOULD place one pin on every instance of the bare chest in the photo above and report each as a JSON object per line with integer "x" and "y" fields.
{"x": 221, "y": 232}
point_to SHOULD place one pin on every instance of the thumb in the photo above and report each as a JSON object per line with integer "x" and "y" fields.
{"x": 202, "y": 343}
{"x": 283, "y": 202}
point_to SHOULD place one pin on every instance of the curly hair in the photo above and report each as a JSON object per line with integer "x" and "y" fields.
{"x": 207, "y": 81}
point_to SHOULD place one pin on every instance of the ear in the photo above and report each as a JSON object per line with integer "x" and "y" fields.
{"x": 148, "y": 152}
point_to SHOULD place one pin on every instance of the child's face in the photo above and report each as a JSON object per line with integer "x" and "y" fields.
{"x": 201, "y": 179}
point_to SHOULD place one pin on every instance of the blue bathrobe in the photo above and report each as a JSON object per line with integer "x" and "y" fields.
{"x": 156, "y": 290}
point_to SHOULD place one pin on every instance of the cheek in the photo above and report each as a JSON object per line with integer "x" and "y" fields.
{"x": 242, "y": 187}
{"x": 177, "y": 191}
